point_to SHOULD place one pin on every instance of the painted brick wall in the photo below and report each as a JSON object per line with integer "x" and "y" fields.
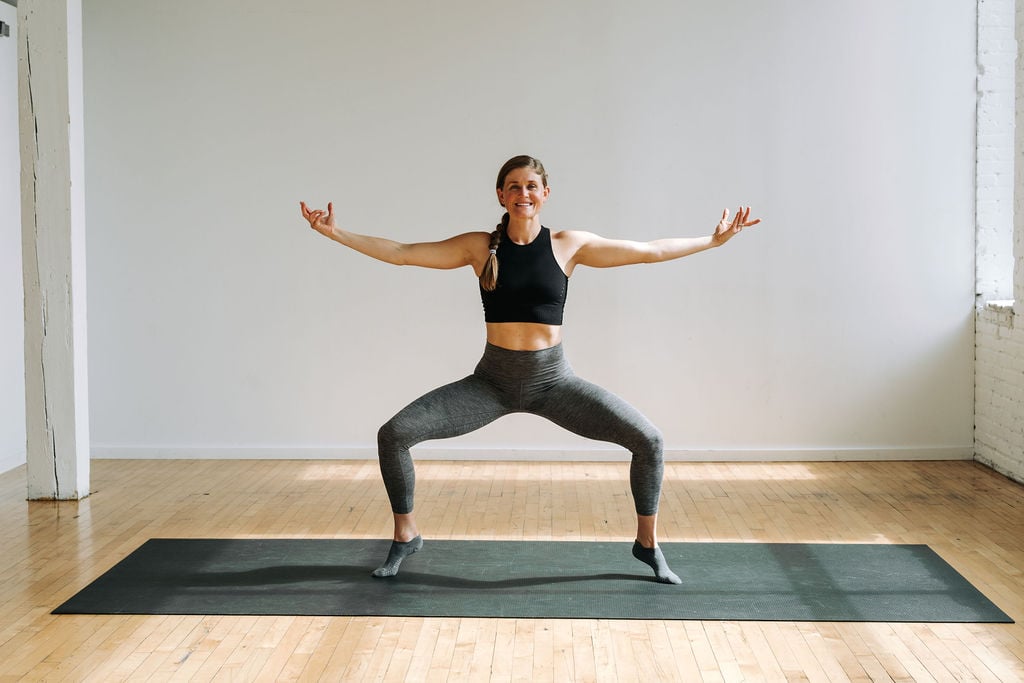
{"x": 999, "y": 337}
{"x": 997, "y": 49}
{"x": 999, "y": 392}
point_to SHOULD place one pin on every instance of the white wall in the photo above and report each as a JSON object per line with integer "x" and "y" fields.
{"x": 12, "y": 318}
{"x": 842, "y": 327}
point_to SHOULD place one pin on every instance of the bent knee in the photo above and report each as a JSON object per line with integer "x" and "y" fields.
{"x": 653, "y": 443}
{"x": 647, "y": 448}
{"x": 389, "y": 436}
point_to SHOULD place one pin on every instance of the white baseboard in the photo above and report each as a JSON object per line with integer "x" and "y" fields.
{"x": 530, "y": 454}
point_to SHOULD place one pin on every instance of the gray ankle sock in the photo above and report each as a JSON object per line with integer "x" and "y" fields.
{"x": 399, "y": 551}
{"x": 654, "y": 558}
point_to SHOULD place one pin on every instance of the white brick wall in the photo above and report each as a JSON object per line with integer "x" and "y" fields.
{"x": 999, "y": 392}
{"x": 999, "y": 329}
{"x": 997, "y": 50}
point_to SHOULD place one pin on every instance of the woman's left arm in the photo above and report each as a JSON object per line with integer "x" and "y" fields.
{"x": 600, "y": 252}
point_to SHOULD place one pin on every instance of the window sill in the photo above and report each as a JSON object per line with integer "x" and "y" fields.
{"x": 999, "y": 313}
{"x": 1000, "y": 305}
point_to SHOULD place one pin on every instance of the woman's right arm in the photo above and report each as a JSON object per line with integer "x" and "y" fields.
{"x": 467, "y": 249}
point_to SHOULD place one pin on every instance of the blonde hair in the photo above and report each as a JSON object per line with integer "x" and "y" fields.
{"x": 489, "y": 275}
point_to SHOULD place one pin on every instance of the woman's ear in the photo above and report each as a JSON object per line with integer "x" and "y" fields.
{"x": 501, "y": 197}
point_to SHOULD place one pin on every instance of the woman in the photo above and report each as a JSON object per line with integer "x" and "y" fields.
{"x": 523, "y": 270}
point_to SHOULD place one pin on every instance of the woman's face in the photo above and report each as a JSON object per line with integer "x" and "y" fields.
{"x": 523, "y": 193}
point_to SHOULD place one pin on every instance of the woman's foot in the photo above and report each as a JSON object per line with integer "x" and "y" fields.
{"x": 654, "y": 558}
{"x": 398, "y": 552}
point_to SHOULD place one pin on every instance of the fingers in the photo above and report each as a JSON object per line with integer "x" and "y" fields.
{"x": 746, "y": 219}
{"x": 742, "y": 219}
{"x": 727, "y": 228}
{"x": 310, "y": 214}
{"x": 314, "y": 216}
{"x": 737, "y": 222}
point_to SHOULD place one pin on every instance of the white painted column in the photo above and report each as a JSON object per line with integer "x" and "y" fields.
{"x": 1018, "y": 216}
{"x": 53, "y": 247}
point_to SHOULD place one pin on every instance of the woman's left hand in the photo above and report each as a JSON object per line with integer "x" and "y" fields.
{"x": 319, "y": 220}
{"x": 726, "y": 229}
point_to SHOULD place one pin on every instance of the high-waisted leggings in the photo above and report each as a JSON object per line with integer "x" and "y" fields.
{"x": 537, "y": 382}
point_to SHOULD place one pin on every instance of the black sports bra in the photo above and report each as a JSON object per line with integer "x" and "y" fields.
{"x": 531, "y": 285}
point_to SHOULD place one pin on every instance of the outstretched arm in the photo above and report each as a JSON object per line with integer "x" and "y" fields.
{"x": 600, "y": 252}
{"x": 461, "y": 250}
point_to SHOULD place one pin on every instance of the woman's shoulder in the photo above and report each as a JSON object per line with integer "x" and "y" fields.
{"x": 475, "y": 244}
{"x": 571, "y": 236}
{"x": 472, "y": 237}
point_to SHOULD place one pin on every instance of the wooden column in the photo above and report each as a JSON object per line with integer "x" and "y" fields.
{"x": 53, "y": 247}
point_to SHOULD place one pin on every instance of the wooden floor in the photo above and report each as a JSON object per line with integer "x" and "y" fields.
{"x": 971, "y": 516}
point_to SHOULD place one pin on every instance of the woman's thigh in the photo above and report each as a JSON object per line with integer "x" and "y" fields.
{"x": 448, "y": 411}
{"x": 592, "y": 411}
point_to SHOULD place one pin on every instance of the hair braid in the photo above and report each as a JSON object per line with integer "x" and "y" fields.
{"x": 489, "y": 275}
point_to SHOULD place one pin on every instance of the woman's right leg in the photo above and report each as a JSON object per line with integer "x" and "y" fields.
{"x": 452, "y": 410}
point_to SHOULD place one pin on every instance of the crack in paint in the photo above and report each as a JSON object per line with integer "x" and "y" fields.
{"x": 47, "y": 424}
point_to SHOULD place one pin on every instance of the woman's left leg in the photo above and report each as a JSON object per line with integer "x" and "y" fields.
{"x": 591, "y": 411}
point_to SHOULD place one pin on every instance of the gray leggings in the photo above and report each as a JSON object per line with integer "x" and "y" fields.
{"x": 537, "y": 382}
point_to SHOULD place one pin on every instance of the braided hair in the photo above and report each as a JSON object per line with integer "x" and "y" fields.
{"x": 489, "y": 275}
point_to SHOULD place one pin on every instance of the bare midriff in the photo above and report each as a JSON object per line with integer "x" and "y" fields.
{"x": 524, "y": 336}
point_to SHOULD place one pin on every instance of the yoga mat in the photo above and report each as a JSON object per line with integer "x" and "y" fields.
{"x": 537, "y": 579}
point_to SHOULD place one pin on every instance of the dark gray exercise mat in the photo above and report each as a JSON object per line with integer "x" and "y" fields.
{"x": 537, "y": 579}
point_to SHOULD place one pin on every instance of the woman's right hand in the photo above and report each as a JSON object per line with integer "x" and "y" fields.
{"x": 319, "y": 220}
